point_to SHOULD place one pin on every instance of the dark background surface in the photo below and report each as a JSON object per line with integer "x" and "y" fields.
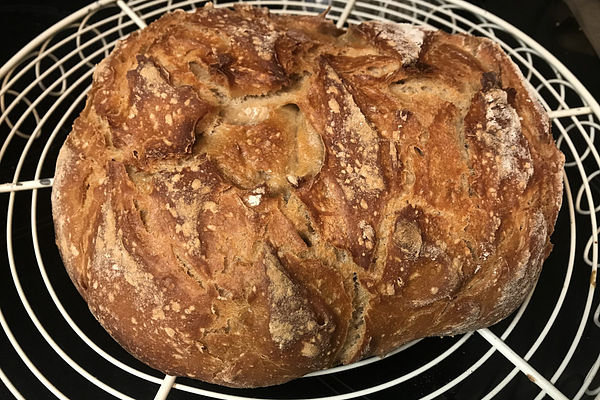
{"x": 549, "y": 22}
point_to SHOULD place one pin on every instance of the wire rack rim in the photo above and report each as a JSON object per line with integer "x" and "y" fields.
{"x": 592, "y": 108}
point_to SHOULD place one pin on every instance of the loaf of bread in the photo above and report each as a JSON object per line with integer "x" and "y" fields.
{"x": 249, "y": 197}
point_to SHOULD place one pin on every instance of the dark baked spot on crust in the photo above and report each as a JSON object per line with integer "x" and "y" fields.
{"x": 407, "y": 237}
{"x": 490, "y": 80}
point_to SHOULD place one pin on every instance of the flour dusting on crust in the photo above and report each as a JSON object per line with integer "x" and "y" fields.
{"x": 405, "y": 39}
{"x": 503, "y": 132}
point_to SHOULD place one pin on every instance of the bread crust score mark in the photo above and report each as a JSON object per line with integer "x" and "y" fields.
{"x": 249, "y": 197}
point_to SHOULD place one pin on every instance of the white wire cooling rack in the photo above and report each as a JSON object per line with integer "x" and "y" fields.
{"x": 51, "y": 345}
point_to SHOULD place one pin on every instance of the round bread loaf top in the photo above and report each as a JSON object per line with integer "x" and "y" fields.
{"x": 249, "y": 197}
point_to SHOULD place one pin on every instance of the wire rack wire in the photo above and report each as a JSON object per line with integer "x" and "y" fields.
{"x": 51, "y": 344}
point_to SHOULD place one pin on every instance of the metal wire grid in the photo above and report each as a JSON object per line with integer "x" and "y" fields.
{"x": 44, "y": 87}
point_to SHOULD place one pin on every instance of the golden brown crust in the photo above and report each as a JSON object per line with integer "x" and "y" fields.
{"x": 249, "y": 197}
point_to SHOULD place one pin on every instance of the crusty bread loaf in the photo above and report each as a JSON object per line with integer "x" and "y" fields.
{"x": 249, "y": 197}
